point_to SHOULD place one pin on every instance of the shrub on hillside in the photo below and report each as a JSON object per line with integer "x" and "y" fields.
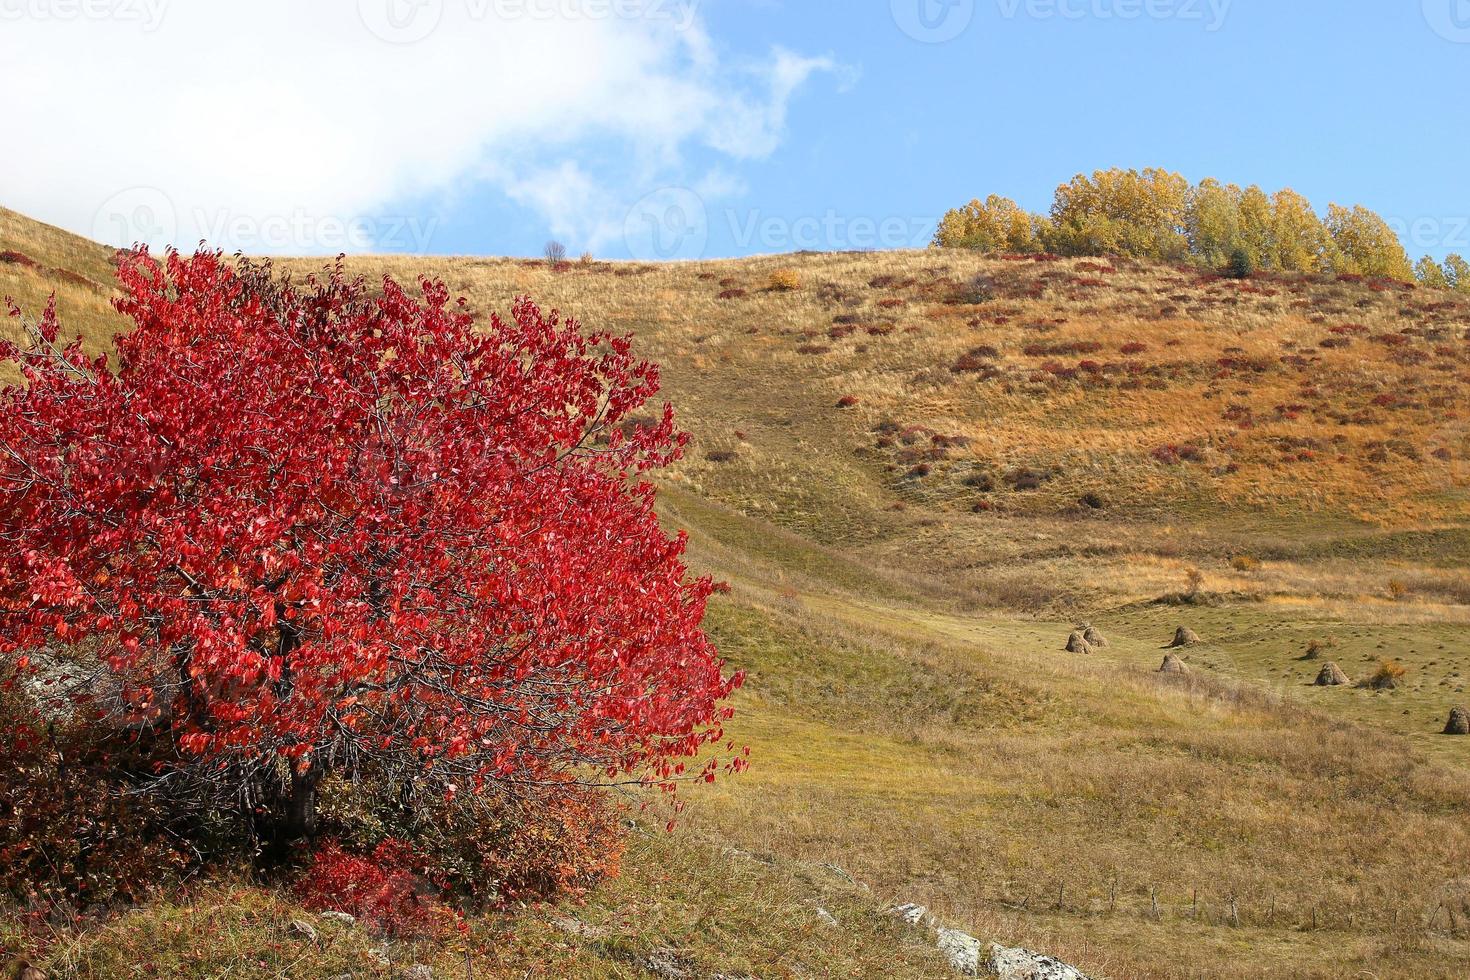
{"x": 391, "y": 889}
{"x": 784, "y": 281}
{"x": 337, "y": 555}
{"x": 74, "y": 832}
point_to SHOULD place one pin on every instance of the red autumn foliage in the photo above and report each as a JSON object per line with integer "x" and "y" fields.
{"x": 389, "y": 890}
{"x": 317, "y": 524}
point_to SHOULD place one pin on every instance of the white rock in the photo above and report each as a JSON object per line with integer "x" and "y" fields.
{"x": 910, "y": 913}
{"x": 303, "y": 929}
{"x": 962, "y": 950}
{"x": 1023, "y": 964}
{"x": 420, "y": 971}
{"x": 826, "y": 918}
{"x": 341, "y": 917}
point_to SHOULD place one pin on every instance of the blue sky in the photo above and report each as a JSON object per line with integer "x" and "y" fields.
{"x": 686, "y": 128}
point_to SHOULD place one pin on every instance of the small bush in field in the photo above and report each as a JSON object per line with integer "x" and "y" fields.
{"x": 784, "y": 281}
{"x": 72, "y": 833}
{"x": 1194, "y": 580}
{"x": 390, "y": 890}
{"x": 1245, "y": 563}
{"x": 736, "y": 293}
{"x": 847, "y": 401}
{"x": 1133, "y": 347}
{"x": 1397, "y": 588}
{"x": 555, "y": 253}
{"x": 531, "y": 849}
{"x": 1316, "y": 647}
{"x": 720, "y": 456}
{"x": 1242, "y": 265}
{"x": 1387, "y": 676}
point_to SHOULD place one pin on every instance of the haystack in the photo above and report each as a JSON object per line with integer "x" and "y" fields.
{"x": 1459, "y": 722}
{"x": 1092, "y": 636}
{"x": 1184, "y": 637}
{"x": 1332, "y": 676}
{"x": 1077, "y": 643}
{"x": 1173, "y": 665}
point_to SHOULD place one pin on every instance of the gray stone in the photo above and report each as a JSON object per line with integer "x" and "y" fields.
{"x": 1023, "y": 964}
{"x": 667, "y": 964}
{"x": 910, "y": 913}
{"x": 420, "y": 971}
{"x": 961, "y": 950}
{"x": 340, "y": 917}
{"x": 303, "y": 929}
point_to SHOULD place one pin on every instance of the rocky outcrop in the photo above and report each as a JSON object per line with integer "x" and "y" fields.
{"x": 963, "y": 951}
{"x": 1023, "y": 964}
{"x": 968, "y": 957}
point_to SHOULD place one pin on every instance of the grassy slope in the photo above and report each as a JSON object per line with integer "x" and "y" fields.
{"x": 913, "y": 719}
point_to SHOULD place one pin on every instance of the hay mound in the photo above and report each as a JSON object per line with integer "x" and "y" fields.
{"x": 1092, "y": 636}
{"x": 1077, "y": 643}
{"x": 1173, "y": 665}
{"x": 1459, "y": 722}
{"x": 1184, "y": 637}
{"x": 1332, "y": 676}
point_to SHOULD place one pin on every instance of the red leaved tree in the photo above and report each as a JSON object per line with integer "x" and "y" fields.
{"x": 303, "y": 529}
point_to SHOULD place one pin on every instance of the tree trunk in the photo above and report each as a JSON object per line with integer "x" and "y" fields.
{"x": 299, "y": 820}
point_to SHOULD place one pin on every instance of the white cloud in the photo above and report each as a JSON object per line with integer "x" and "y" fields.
{"x": 289, "y": 126}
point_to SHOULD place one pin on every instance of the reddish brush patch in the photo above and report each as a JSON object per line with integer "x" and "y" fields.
{"x": 1063, "y": 349}
{"x": 891, "y": 303}
{"x": 388, "y": 890}
{"x": 1172, "y": 455}
{"x": 17, "y": 258}
{"x": 1133, "y": 347}
{"x": 731, "y": 294}
{"x": 847, "y": 401}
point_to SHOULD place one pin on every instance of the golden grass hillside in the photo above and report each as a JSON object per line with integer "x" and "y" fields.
{"x": 919, "y": 471}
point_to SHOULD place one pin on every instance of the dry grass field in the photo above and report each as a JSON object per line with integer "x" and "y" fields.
{"x": 919, "y": 471}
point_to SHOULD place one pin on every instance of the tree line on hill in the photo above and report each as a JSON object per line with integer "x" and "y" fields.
{"x": 1155, "y": 214}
